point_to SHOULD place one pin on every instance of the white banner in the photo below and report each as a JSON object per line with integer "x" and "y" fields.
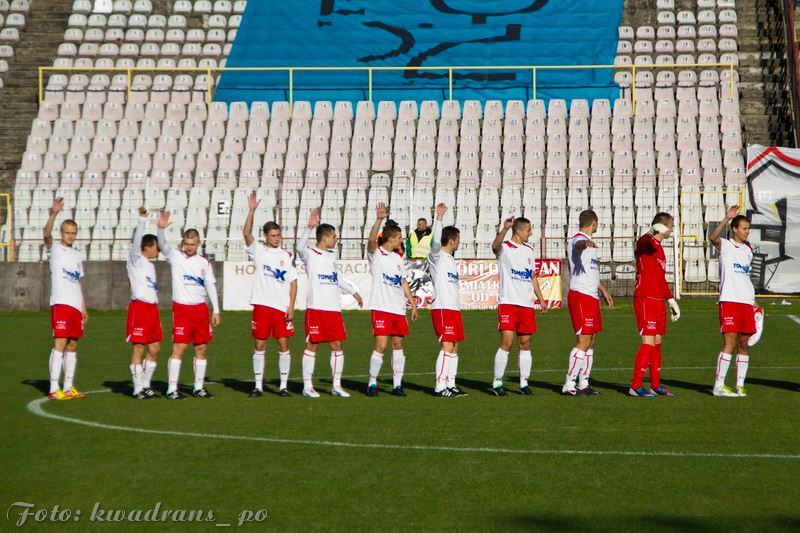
{"x": 773, "y": 204}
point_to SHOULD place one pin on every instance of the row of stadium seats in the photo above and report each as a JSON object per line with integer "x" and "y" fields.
{"x": 12, "y": 26}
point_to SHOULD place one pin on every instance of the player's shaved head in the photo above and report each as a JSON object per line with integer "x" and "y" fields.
{"x": 191, "y": 234}
{"x": 450, "y": 233}
{"x": 587, "y": 218}
{"x": 662, "y": 218}
{"x": 520, "y": 223}
{"x": 69, "y": 223}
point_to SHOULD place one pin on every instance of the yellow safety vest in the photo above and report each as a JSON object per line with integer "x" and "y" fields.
{"x": 420, "y": 248}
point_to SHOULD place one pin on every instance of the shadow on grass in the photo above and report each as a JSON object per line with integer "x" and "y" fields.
{"x": 774, "y": 383}
{"x": 41, "y": 385}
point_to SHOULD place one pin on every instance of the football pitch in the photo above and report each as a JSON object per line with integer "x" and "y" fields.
{"x": 546, "y": 462}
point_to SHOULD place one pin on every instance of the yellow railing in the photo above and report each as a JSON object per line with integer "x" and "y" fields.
{"x": 534, "y": 69}
{"x": 6, "y": 248}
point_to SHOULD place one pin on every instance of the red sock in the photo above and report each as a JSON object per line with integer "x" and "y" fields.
{"x": 655, "y": 367}
{"x": 640, "y": 364}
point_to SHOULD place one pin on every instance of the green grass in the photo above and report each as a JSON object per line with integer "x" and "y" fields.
{"x": 323, "y": 487}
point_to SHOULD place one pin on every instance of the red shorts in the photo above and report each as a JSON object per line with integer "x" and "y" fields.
{"x": 651, "y": 316}
{"x": 516, "y": 318}
{"x": 191, "y": 324}
{"x": 67, "y": 322}
{"x": 447, "y": 325}
{"x": 144, "y": 323}
{"x": 585, "y": 313}
{"x": 324, "y": 326}
{"x": 270, "y": 323}
{"x": 735, "y": 317}
{"x": 389, "y": 324}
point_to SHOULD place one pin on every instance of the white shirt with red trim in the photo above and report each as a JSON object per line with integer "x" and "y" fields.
{"x": 734, "y": 272}
{"x": 388, "y": 272}
{"x": 274, "y": 276}
{"x": 584, "y": 267}
{"x": 324, "y": 282}
{"x": 517, "y": 264}
{"x": 444, "y": 274}
{"x": 66, "y": 272}
{"x": 192, "y": 276}
{"x": 141, "y": 271}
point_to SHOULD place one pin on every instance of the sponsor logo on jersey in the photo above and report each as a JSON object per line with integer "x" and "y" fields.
{"x": 195, "y": 280}
{"x": 522, "y": 275}
{"x": 744, "y": 269}
{"x": 151, "y": 283}
{"x": 452, "y": 277}
{"x": 275, "y": 273}
{"x": 394, "y": 281}
{"x": 333, "y": 277}
{"x": 72, "y": 275}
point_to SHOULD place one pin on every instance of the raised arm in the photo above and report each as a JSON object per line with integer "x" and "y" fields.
{"x": 247, "y": 230}
{"x": 715, "y": 237}
{"x": 163, "y": 245}
{"x": 47, "y": 231}
{"x": 138, "y": 233}
{"x": 497, "y": 244}
{"x": 302, "y": 241}
{"x": 381, "y": 213}
{"x": 436, "y": 243}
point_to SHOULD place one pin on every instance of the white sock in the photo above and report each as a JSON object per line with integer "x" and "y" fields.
{"x": 173, "y": 372}
{"x": 577, "y": 361}
{"x": 337, "y": 365}
{"x": 70, "y": 362}
{"x": 258, "y": 369}
{"x": 148, "y": 368}
{"x": 398, "y": 367}
{"x": 587, "y": 368}
{"x": 723, "y": 362}
{"x": 56, "y": 364}
{"x": 284, "y": 362}
{"x": 375, "y": 362}
{"x": 500, "y": 363}
{"x": 742, "y": 362}
{"x": 440, "y": 371}
{"x": 309, "y": 358}
{"x": 136, "y": 374}
{"x": 199, "y": 372}
{"x": 452, "y": 369}
{"x": 525, "y": 365}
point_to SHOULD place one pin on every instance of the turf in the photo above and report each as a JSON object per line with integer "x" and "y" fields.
{"x": 419, "y": 482}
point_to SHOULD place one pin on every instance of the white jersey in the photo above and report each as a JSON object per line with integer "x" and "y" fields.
{"x": 388, "y": 272}
{"x": 734, "y": 272}
{"x": 274, "y": 276}
{"x": 444, "y": 274}
{"x": 324, "y": 282}
{"x": 584, "y": 268}
{"x": 141, "y": 271}
{"x": 517, "y": 265}
{"x": 66, "y": 272}
{"x": 192, "y": 276}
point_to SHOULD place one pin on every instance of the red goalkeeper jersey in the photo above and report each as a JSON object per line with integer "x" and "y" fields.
{"x": 651, "y": 269}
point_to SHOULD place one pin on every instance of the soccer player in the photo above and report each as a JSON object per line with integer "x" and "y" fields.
{"x": 192, "y": 279}
{"x": 273, "y": 298}
{"x": 324, "y": 322}
{"x": 515, "y": 312}
{"x": 68, "y": 314}
{"x": 736, "y": 300}
{"x": 648, "y": 305}
{"x": 144, "y": 322}
{"x": 446, "y": 306}
{"x": 583, "y": 300}
{"x": 388, "y": 299}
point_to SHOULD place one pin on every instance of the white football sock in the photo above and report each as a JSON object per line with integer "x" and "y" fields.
{"x": 587, "y": 368}
{"x": 525, "y": 365}
{"x": 398, "y": 367}
{"x": 440, "y": 371}
{"x": 148, "y": 368}
{"x": 309, "y": 358}
{"x": 337, "y": 365}
{"x": 70, "y": 362}
{"x": 742, "y": 362}
{"x": 375, "y": 362}
{"x": 56, "y": 363}
{"x": 136, "y": 374}
{"x": 199, "y": 372}
{"x": 723, "y": 362}
{"x": 452, "y": 369}
{"x": 258, "y": 369}
{"x": 284, "y": 362}
{"x": 173, "y": 372}
{"x": 500, "y": 363}
{"x": 577, "y": 360}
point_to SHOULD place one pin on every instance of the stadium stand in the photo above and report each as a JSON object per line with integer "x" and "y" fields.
{"x": 12, "y": 27}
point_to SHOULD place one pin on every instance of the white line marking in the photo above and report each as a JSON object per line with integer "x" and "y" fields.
{"x": 35, "y": 407}
{"x": 794, "y": 319}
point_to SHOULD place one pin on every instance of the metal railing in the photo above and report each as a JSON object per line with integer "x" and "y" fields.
{"x": 290, "y": 71}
